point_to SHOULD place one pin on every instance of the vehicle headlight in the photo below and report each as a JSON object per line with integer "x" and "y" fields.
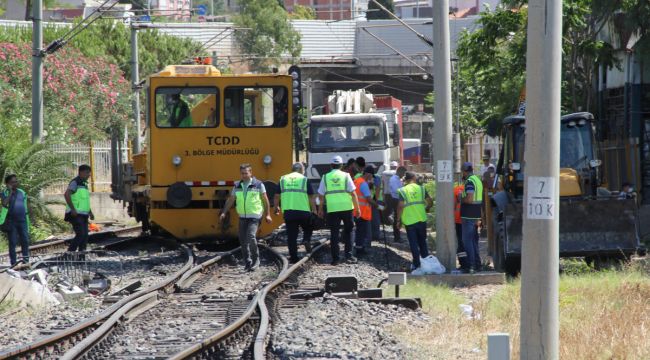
{"x": 176, "y": 160}
{"x": 267, "y": 159}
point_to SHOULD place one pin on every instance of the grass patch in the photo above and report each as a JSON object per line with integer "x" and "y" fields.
{"x": 603, "y": 315}
{"x": 7, "y": 305}
{"x": 435, "y": 299}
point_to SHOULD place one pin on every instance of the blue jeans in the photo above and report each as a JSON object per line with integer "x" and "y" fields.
{"x": 470, "y": 242}
{"x": 417, "y": 236}
{"x": 18, "y": 230}
{"x": 362, "y": 233}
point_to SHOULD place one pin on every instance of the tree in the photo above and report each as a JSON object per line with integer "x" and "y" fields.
{"x": 270, "y": 35}
{"x": 375, "y": 13}
{"x": 302, "y": 13}
{"x": 492, "y": 65}
{"x": 493, "y": 58}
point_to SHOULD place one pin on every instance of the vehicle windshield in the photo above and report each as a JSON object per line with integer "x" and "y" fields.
{"x": 575, "y": 146}
{"x": 186, "y": 107}
{"x": 412, "y": 130}
{"x": 333, "y": 137}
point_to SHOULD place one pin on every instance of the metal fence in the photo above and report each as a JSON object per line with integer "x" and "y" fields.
{"x": 97, "y": 154}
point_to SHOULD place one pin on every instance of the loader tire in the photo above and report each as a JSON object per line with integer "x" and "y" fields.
{"x": 513, "y": 265}
{"x": 499, "y": 254}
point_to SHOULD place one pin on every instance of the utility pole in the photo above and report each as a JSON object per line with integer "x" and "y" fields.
{"x": 135, "y": 80}
{"x": 37, "y": 71}
{"x": 445, "y": 227}
{"x": 540, "y": 245}
{"x": 457, "y": 157}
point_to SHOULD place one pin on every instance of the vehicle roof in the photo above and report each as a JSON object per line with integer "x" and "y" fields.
{"x": 348, "y": 117}
{"x": 517, "y": 119}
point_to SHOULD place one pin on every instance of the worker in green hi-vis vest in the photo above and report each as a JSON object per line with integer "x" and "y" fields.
{"x": 252, "y": 204}
{"x": 337, "y": 199}
{"x": 14, "y": 218}
{"x": 77, "y": 210}
{"x": 180, "y": 114}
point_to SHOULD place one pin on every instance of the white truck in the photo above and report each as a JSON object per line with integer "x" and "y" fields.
{"x": 356, "y": 129}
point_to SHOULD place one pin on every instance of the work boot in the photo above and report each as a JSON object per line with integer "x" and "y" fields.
{"x": 360, "y": 252}
{"x": 248, "y": 265}
{"x": 294, "y": 260}
{"x": 307, "y": 246}
{"x": 255, "y": 266}
{"x": 334, "y": 262}
{"x": 351, "y": 260}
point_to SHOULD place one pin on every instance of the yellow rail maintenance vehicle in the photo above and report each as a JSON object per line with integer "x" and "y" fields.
{"x": 201, "y": 125}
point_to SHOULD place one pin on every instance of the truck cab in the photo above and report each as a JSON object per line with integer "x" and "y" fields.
{"x": 349, "y": 136}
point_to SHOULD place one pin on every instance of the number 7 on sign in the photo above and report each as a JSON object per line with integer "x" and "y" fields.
{"x": 444, "y": 171}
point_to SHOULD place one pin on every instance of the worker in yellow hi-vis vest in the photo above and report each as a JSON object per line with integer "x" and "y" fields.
{"x": 252, "y": 204}
{"x": 77, "y": 210}
{"x": 337, "y": 197}
{"x": 295, "y": 201}
{"x": 470, "y": 214}
{"x": 412, "y": 212}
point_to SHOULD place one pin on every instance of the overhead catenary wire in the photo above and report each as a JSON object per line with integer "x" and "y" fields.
{"x": 379, "y": 84}
{"x": 77, "y": 29}
{"x": 407, "y": 58}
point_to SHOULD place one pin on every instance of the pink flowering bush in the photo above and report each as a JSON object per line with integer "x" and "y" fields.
{"x": 82, "y": 97}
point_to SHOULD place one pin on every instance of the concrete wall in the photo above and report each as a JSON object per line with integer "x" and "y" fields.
{"x": 102, "y": 205}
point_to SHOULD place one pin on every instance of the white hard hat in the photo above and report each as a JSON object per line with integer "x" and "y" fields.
{"x": 337, "y": 160}
{"x": 394, "y": 164}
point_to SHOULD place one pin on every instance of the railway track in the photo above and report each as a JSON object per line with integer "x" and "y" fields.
{"x": 56, "y": 344}
{"x": 250, "y": 331}
{"x": 208, "y": 298}
{"x": 94, "y": 239}
{"x": 210, "y": 310}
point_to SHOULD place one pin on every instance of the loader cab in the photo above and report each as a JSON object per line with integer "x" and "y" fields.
{"x": 579, "y": 164}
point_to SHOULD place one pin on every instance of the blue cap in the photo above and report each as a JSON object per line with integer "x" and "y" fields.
{"x": 467, "y": 166}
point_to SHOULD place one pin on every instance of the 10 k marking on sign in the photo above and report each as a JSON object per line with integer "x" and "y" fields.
{"x": 444, "y": 171}
{"x": 541, "y": 202}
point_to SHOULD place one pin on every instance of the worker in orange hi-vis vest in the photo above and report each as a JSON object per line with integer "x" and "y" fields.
{"x": 363, "y": 221}
{"x": 460, "y": 249}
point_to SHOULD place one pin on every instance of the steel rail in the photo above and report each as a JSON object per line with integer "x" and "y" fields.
{"x": 236, "y": 325}
{"x": 55, "y": 242}
{"x": 42, "y": 345}
{"x": 104, "y": 330}
{"x": 260, "y": 339}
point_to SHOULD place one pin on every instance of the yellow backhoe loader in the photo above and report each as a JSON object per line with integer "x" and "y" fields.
{"x": 593, "y": 224}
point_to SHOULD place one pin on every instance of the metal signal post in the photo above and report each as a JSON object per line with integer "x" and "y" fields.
{"x": 37, "y": 71}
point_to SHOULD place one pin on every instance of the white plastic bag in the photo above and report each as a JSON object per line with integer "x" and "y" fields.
{"x": 431, "y": 265}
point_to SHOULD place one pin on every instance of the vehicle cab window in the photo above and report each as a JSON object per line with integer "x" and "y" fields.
{"x": 246, "y": 107}
{"x": 187, "y": 107}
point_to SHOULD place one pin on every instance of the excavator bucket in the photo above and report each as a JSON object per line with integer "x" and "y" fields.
{"x": 607, "y": 227}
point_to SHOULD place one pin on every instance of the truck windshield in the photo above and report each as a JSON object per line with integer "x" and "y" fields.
{"x": 575, "y": 146}
{"x": 333, "y": 137}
